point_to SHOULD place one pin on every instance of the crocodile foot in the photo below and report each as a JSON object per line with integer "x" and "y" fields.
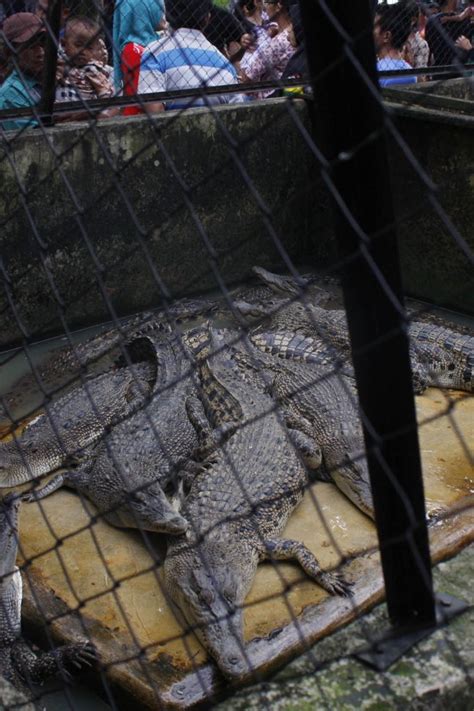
{"x": 75, "y": 657}
{"x": 336, "y": 584}
{"x": 287, "y": 549}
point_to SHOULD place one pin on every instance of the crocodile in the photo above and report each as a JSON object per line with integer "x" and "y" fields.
{"x": 19, "y": 664}
{"x": 97, "y": 354}
{"x": 237, "y": 507}
{"x": 74, "y": 422}
{"x": 440, "y": 357}
{"x": 323, "y": 398}
{"x": 141, "y": 457}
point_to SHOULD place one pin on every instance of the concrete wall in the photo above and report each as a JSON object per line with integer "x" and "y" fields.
{"x": 435, "y": 205}
{"x": 111, "y": 216}
{"x": 115, "y": 214}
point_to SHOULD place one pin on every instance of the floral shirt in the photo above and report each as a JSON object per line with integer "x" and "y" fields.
{"x": 269, "y": 60}
{"x": 417, "y": 51}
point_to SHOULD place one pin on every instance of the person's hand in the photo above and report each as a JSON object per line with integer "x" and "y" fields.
{"x": 463, "y": 43}
{"x": 100, "y": 84}
{"x": 246, "y": 41}
{"x": 272, "y": 30}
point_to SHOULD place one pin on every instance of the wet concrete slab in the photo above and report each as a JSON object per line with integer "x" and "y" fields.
{"x": 90, "y": 580}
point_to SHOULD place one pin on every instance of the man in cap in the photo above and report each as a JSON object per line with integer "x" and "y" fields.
{"x": 24, "y": 36}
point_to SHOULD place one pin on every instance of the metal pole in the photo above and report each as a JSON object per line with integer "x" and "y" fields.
{"x": 350, "y": 117}
{"x": 53, "y": 26}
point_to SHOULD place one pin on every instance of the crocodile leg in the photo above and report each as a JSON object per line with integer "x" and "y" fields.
{"x": 287, "y": 549}
{"x": 53, "y": 485}
{"x": 209, "y": 439}
{"x": 67, "y": 478}
{"x": 307, "y": 448}
{"x": 36, "y": 669}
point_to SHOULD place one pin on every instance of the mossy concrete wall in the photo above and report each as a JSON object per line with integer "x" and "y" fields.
{"x": 112, "y": 216}
{"x": 106, "y": 219}
{"x": 432, "y": 164}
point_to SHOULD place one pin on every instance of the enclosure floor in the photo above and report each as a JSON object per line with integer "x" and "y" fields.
{"x": 133, "y": 616}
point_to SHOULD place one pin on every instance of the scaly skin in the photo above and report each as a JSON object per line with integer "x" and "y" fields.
{"x": 440, "y": 357}
{"x": 73, "y": 422}
{"x": 237, "y": 507}
{"x": 18, "y": 663}
{"x": 325, "y": 396}
{"x": 140, "y": 457}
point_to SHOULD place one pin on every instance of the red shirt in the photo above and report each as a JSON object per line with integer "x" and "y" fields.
{"x": 130, "y": 65}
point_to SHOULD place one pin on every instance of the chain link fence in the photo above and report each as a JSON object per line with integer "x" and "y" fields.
{"x": 207, "y": 361}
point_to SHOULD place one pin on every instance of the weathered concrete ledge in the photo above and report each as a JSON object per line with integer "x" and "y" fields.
{"x": 437, "y": 674}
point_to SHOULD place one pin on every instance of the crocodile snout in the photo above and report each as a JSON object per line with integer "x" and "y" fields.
{"x": 235, "y": 665}
{"x": 175, "y": 525}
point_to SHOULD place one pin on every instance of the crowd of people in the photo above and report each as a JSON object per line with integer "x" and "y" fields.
{"x": 137, "y": 47}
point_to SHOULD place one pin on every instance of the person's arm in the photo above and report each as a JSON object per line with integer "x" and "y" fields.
{"x": 467, "y": 13}
{"x": 467, "y": 50}
{"x": 237, "y": 51}
{"x": 151, "y": 81}
{"x": 153, "y": 107}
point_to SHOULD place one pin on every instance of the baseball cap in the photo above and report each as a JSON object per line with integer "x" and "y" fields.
{"x": 21, "y": 27}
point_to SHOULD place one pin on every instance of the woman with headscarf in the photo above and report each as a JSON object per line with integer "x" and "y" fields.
{"x": 135, "y": 25}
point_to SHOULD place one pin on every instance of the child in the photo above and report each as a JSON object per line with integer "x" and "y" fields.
{"x": 84, "y": 73}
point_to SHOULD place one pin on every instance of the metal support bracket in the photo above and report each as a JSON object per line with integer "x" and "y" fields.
{"x": 391, "y": 646}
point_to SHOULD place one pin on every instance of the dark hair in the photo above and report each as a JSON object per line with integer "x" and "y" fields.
{"x": 397, "y": 20}
{"x": 86, "y": 22}
{"x": 187, "y": 13}
{"x": 237, "y": 11}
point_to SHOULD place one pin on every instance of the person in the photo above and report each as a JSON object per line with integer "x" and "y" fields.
{"x": 24, "y": 35}
{"x": 86, "y": 74}
{"x": 443, "y": 29}
{"x": 416, "y": 51}
{"x": 270, "y": 59}
{"x": 297, "y": 66}
{"x": 185, "y": 59}
{"x": 135, "y": 25}
{"x": 225, "y": 32}
{"x": 255, "y": 22}
{"x": 392, "y": 26}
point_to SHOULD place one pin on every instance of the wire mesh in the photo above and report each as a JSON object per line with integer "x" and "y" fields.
{"x": 191, "y": 433}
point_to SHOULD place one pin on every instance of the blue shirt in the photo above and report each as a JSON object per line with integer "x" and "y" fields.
{"x": 185, "y": 59}
{"x": 387, "y": 64}
{"x": 17, "y": 92}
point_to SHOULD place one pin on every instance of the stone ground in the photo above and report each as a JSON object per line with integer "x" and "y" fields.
{"x": 437, "y": 674}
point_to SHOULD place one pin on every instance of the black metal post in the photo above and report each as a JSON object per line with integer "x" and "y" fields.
{"x": 341, "y": 58}
{"x": 53, "y": 26}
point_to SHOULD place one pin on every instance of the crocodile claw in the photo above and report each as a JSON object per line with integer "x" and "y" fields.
{"x": 80, "y": 655}
{"x": 336, "y": 584}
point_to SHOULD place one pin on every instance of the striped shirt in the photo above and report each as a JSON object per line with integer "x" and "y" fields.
{"x": 185, "y": 59}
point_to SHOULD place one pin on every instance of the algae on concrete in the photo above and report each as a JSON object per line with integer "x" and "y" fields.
{"x": 436, "y": 675}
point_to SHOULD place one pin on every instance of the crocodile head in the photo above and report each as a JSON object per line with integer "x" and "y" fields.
{"x": 150, "y": 510}
{"x": 9, "y": 508}
{"x": 208, "y": 586}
